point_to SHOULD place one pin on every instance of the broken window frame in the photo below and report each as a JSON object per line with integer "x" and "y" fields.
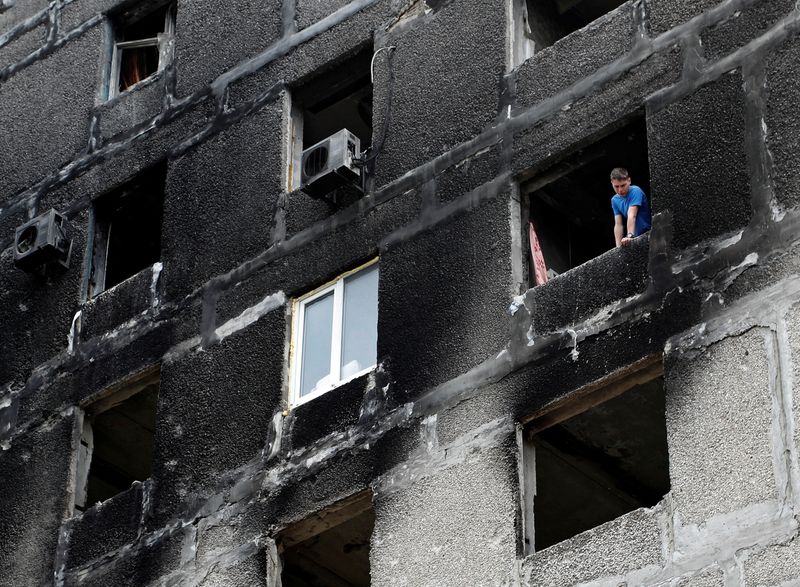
{"x": 584, "y": 399}
{"x": 299, "y": 305}
{"x": 92, "y": 408}
{"x": 161, "y": 41}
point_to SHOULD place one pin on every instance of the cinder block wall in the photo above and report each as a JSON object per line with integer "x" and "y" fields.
{"x": 465, "y": 350}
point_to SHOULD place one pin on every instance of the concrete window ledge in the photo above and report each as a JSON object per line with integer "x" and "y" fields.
{"x": 136, "y": 105}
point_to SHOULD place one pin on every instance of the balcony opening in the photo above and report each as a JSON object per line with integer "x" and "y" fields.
{"x": 569, "y": 204}
{"x": 127, "y": 229}
{"x": 551, "y": 20}
{"x": 595, "y": 458}
{"x": 330, "y": 548}
{"x": 117, "y": 440}
{"x": 332, "y": 111}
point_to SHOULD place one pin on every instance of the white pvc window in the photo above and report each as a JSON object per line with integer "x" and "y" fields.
{"x": 335, "y": 332}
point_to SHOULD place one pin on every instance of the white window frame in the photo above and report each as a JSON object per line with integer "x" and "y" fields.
{"x": 296, "y": 349}
{"x": 161, "y": 41}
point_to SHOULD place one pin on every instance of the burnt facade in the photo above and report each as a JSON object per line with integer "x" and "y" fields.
{"x": 233, "y": 382}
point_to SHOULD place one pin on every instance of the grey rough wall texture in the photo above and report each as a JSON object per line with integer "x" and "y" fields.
{"x": 465, "y": 349}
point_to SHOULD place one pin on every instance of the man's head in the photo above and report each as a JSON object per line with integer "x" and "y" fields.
{"x": 620, "y": 180}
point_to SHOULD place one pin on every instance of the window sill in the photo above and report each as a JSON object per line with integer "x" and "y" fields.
{"x": 331, "y": 387}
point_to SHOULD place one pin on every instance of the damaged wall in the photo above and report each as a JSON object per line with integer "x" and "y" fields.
{"x": 466, "y": 352}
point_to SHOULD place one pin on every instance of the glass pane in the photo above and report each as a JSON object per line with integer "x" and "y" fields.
{"x": 360, "y": 322}
{"x": 136, "y": 64}
{"x": 316, "y": 353}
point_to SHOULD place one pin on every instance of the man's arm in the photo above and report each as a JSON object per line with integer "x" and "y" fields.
{"x": 618, "y": 229}
{"x": 631, "y": 226}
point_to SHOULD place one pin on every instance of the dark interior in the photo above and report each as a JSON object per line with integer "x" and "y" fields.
{"x": 138, "y": 63}
{"x": 123, "y": 445}
{"x": 337, "y": 557}
{"x": 600, "y": 464}
{"x": 570, "y": 203}
{"x": 339, "y": 98}
{"x": 551, "y": 20}
{"x": 128, "y": 229}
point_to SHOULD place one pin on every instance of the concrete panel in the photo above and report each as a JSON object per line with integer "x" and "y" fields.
{"x": 33, "y": 499}
{"x": 783, "y": 124}
{"x": 214, "y": 415}
{"x": 620, "y": 546}
{"x": 456, "y": 527}
{"x": 310, "y": 11}
{"x": 22, "y": 46}
{"x": 555, "y": 68}
{"x": 743, "y": 26}
{"x": 792, "y": 319}
{"x": 250, "y": 571}
{"x": 213, "y": 36}
{"x": 222, "y": 193}
{"x": 666, "y": 14}
{"x": 21, "y": 11}
{"x": 442, "y": 94}
{"x": 132, "y": 107}
{"x": 701, "y": 137}
{"x": 455, "y": 316}
{"x": 719, "y": 429}
{"x": 119, "y": 304}
{"x": 777, "y": 565}
{"x": 48, "y": 103}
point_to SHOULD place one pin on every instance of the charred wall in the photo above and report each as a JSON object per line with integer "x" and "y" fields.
{"x": 466, "y": 352}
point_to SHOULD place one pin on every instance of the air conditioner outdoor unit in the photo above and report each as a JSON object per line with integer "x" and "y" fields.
{"x": 329, "y": 164}
{"x": 45, "y": 240}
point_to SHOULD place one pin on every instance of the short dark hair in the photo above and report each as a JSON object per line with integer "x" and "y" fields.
{"x": 620, "y": 173}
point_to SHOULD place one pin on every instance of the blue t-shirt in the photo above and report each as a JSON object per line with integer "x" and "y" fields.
{"x": 635, "y": 197}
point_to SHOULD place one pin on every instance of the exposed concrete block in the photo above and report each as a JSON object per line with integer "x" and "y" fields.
{"x": 595, "y": 115}
{"x": 212, "y": 37}
{"x": 106, "y": 527}
{"x": 132, "y": 107}
{"x": 22, "y": 10}
{"x": 48, "y": 103}
{"x": 777, "y": 565}
{"x": 782, "y": 122}
{"x": 33, "y": 498}
{"x": 743, "y": 26}
{"x": 555, "y": 68}
{"x": 468, "y": 175}
{"x": 453, "y": 529}
{"x": 22, "y": 46}
{"x": 631, "y": 542}
{"x": 713, "y": 577}
{"x": 226, "y": 186}
{"x": 719, "y": 418}
{"x": 249, "y": 571}
{"x": 457, "y": 97}
{"x": 310, "y": 11}
{"x": 666, "y": 14}
{"x": 122, "y": 302}
{"x": 459, "y": 315}
{"x": 685, "y": 140}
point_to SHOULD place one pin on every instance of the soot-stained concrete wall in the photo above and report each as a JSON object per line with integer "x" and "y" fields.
{"x": 467, "y": 352}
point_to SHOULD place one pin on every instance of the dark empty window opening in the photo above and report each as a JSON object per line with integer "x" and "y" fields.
{"x": 592, "y": 462}
{"x": 551, "y": 20}
{"x": 117, "y": 441}
{"x": 323, "y": 108}
{"x": 331, "y": 548}
{"x": 139, "y": 48}
{"x": 127, "y": 229}
{"x": 570, "y": 203}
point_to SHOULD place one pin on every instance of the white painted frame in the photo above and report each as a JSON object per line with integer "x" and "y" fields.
{"x": 160, "y": 41}
{"x": 296, "y": 347}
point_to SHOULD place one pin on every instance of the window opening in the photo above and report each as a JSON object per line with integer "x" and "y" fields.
{"x": 139, "y": 48}
{"x": 330, "y": 548}
{"x": 596, "y": 458}
{"x": 569, "y": 204}
{"x": 335, "y": 330}
{"x": 551, "y": 20}
{"x": 127, "y": 229}
{"x": 117, "y": 439}
{"x": 331, "y": 126}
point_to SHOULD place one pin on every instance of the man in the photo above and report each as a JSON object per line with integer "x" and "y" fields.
{"x": 631, "y": 210}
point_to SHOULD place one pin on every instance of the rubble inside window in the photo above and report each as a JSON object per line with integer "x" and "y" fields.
{"x": 569, "y": 204}
{"x": 117, "y": 438}
{"x": 127, "y": 229}
{"x": 139, "y": 47}
{"x": 595, "y": 459}
{"x": 330, "y": 548}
